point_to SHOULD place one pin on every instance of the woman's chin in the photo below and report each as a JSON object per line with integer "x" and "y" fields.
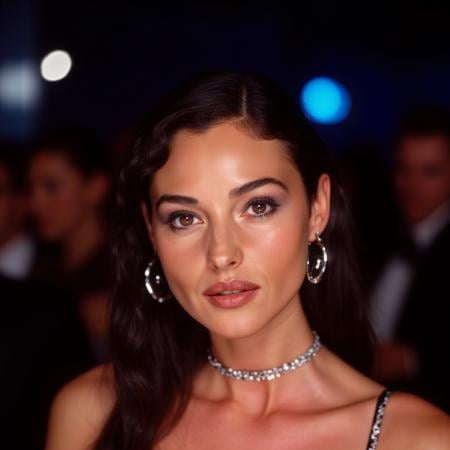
{"x": 234, "y": 330}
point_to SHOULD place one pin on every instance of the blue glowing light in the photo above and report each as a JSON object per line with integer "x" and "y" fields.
{"x": 326, "y": 101}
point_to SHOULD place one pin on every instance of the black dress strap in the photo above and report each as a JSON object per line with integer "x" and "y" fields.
{"x": 378, "y": 419}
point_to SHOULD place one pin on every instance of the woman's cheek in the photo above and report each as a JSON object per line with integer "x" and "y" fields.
{"x": 181, "y": 261}
{"x": 282, "y": 252}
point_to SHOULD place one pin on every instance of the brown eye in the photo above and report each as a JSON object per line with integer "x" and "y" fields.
{"x": 259, "y": 208}
{"x": 183, "y": 220}
{"x": 186, "y": 220}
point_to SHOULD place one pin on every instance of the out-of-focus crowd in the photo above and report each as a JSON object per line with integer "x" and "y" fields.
{"x": 55, "y": 272}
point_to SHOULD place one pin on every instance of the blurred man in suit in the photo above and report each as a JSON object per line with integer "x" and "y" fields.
{"x": 411, "y": 296}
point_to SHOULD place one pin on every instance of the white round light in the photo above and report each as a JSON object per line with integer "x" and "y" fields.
{"x": 56, "y": 65}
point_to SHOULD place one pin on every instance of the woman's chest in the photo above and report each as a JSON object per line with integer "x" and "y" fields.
{"x": 220, "y": 430}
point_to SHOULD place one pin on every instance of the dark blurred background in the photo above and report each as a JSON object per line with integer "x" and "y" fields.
{"x": 390, "y": 55}
{"x": 60, "y": 143}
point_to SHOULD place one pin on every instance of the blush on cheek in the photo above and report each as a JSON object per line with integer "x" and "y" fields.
{"x": 283, "y": 254}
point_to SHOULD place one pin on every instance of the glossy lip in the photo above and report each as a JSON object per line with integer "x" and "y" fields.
{"x": 231, "y": 300}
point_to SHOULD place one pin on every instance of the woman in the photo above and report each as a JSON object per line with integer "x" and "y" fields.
{"x": 69, "y": 177}
{"x": 227, "y": 203}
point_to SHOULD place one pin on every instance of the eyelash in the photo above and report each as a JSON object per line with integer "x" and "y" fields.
{"x": 255, "y": 201}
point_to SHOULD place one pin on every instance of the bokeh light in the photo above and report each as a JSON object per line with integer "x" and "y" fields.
{"x": 325, "y": 100}
{"x": 19, "y": 85}
{"x": 56, "y": 65}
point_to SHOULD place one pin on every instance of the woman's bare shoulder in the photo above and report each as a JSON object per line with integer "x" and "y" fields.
{"x": 413, "y": 423}
{"x": 80, "y": 410}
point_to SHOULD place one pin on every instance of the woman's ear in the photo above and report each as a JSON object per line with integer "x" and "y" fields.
{"x": 148, "y": 223}
{"x": 320, "y": 207}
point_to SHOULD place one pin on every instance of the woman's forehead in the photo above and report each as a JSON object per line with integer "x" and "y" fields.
{"x": 223, "y": 153}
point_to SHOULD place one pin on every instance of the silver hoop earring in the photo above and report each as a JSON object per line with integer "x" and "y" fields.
{"x": 152, "y": 279}
{"x": 314, "y": 272}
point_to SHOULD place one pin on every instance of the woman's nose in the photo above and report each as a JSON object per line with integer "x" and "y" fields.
{"x": 224, "y": 251}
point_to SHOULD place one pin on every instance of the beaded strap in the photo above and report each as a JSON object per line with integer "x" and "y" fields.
{"x": 378, "y": 419}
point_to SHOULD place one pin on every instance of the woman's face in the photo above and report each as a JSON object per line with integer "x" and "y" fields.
{"x": 227, "y": 206}
{"x": 59, "y": 195}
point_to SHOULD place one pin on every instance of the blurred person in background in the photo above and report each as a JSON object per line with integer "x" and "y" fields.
{"x": 17, "y": 248}
{"x": 70, "y": 183}
{"x": 410, "y": 299}
{"x": 42, "y": 343}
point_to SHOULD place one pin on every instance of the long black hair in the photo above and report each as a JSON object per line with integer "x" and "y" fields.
{"x": 157, "y": 348}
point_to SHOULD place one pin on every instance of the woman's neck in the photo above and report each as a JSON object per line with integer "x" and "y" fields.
{"x": 287, "y": 336}
{"x": 281, "y": 340}
{"x": 84, "y": 240}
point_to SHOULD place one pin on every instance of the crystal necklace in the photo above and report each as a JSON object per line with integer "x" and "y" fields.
{"x": 267, "y": 374}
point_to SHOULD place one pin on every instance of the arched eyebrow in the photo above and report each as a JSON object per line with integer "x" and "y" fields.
{"x": 251, "y": 185}
{"x": 236, "y": 192}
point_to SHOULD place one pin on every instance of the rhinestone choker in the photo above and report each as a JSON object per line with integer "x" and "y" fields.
{"x": 267, "y": 374}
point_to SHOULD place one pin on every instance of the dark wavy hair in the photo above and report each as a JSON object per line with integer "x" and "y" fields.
{"x": 157, "y": 348}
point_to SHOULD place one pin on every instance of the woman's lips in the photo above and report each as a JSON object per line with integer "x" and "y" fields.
{"x": 231, "y": 294}
{"x": 232, "y": 300}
